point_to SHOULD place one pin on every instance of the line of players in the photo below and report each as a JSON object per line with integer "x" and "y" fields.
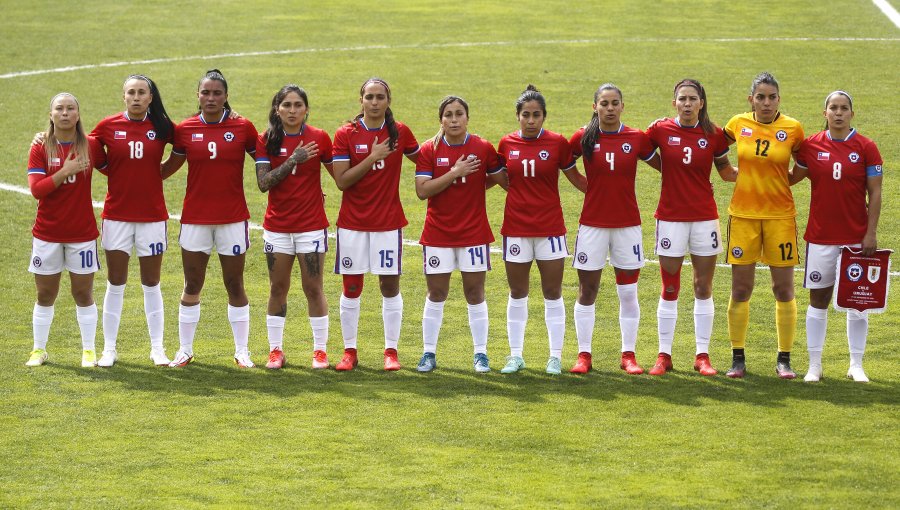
{"x": 453, "y": 171}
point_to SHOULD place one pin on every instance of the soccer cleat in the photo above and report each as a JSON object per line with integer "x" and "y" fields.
{"x": 181, "y": 359}
{"x": 513, "y": 365}
{"x": 783, "y": 366}
{"x": 37, "y": 358}
{"x": 481, "y": 363}
{"x": 426, "y": 364}
{"x": 242, "y": 359}
{"x": 663, "y": 364}
{"x": 88, "y": 359}
{"x": 554, "y": 367}
{"x": 320, "y": 360}
{"x": 629, "y": 364}
{"x": 158, "y": 357}
{"x": 349, "y": 361}
{"x": 814, "y": 374}
{"x": 857, "y": 374}
{"x": 391, "y": 363}
{"x": 583, "y": 364}
{"x": 702, "y": 365}
{"x": 738, "y": 368}
{"x": 108, "y": 358}
{"x": 276, "y": 359}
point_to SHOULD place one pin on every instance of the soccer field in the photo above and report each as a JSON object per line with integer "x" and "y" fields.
{"x": 211, "y": 434}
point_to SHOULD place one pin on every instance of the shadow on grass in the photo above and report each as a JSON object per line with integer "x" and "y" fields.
{"x": 528, "y": 386}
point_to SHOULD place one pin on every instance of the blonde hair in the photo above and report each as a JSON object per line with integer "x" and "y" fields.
{"x": 82, "y": 151}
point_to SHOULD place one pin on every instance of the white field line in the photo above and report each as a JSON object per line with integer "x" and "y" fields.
{"x": 18, "y": 74}
{"x": 406, "y": 242}
{"x": 888, "y": 11}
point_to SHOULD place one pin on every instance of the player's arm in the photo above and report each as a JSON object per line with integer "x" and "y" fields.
{"x": 576, "y": 178}
{"x": 266, "y": 177}
{"x": 346, "y": 176}
{"x": 655, "y": 162}
{"x": 171, "y": 164}
{"x": 727, "y": 172}
{"x": 797, "y": 174}
{"x": 873, "y": 189}
{"x": 427, "y": 187}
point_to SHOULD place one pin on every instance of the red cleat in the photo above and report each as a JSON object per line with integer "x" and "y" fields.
{"x": 702, "y": 365}
{"x": 583, "y": 365}
{"x": 276, "y": 359}
{"x": 320, "y": 360}
{"x": 390, "y": 360}
{"x": 629, "y": 364}
{"x": 349, "y": 361}
{"x": 663, "y": 364}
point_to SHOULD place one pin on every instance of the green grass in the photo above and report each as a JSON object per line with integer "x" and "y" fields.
{"x": 212, "y": 435}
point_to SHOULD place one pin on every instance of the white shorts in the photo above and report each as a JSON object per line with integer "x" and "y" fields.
{"x": 229, "y": 239}
{"x": 471, "y": 259}
{"x": 292, "y": 244}
{"x": 625, "y": 247}
{"x": 678, "y": 238}
{"x": 368, "y": 252}
{"x": 48, "y": 258}
{"x": 821, "y": 265}
{"x": 526, "y": 249}
{"x": 147, "y": 239}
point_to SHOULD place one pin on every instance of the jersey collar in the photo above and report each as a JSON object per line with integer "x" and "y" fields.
{"x": 621, "y": 127}
{"x": 300, "y": 133}
{"x": 125, "y": 115}
{"x": 448, "y": 144}
{"x": 689, "y": 127}
{"x": 367, "y": 128}
{"x": 849, "y": 135}
{"x": 224, "y": 116}
{"x": 523, "y": 137}
{"x": 777, "y": 116}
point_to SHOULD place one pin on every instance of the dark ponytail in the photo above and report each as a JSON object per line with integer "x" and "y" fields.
{"x": 592, "y": 130}
{"x": 275, "y": 132}
{"x": 156, "y": 111}
{"x": 215, "y": 74}
{"x": 707, "y": 125}
{"x": 389, "y": 122}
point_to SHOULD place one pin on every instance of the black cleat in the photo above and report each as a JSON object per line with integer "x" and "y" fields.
{"x": 783, "y": 366}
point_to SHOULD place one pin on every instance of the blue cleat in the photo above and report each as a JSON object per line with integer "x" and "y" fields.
{"x": 427, "y": 363}
{"x": 481, "y": 363}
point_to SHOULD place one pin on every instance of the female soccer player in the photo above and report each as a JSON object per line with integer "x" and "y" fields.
{"x": 288, "y": 157}
{"x": 366, "y": 167}
{"x": 844, "y": 168}
{"x": 135, "y": 214}
{"x": 762, "y": 224}
{"x": 65, "y": 231}
{"x": 452, "y": 172}
{"x": 687, "y": 218}
{"x": 215, "y": 211}
{"x": 533, "y": 226}
{"x": 610, "y": 222}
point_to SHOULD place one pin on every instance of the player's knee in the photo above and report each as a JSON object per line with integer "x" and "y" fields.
{"x": 353, "y": 285}
{"x": 671, "y": 284}
{"x": 627, "y": 276}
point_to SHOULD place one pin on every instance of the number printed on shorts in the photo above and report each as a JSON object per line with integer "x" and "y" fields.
{"x": 477, "y": 251}
{"x": 787, "y": 251}
{"x": 637, "y": 251}
{"x": 387, "y": 258}
{"x": 555, "y": 244}
{"x": 156, "y": 249}
{"x": 213, "y": 150}
{"x": 136, "y": 149}
{"x": 87, "y": 259}
{"x": 715, "y": 238}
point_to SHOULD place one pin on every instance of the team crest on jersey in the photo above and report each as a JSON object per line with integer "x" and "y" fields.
{"x": 665, "y": 243}
{"x": 119, "y": 135}
{"x": 781, "y": 135}
{"x": 514, "y": 249}
{"x": 737, "y": 252}
{"x": 544, "y": 155}
{"x": 854, "y": 272}
{"x": 443, "y": 161}
{"x": 346, "y": 262}
{"x": 874, "y": 273}
{"x": 196, "y": 137}
{"x": 854, "y": 157}
{"x": 878, "y": 169}
{"x": 268, "y": 247}
{"x": 626, "y": 148}
{"x": 674, "y": 140}
{"x": 229, "y": 136}
{"x": 513, "y": 154}
{"x": 434, "y": 261}
{"x": 815, "y": 277}
{"x": 582, "y": 257}
{"x": 36, "y": 262}
{"x": 702, "y": 143}
{"x": 151, "y": 135}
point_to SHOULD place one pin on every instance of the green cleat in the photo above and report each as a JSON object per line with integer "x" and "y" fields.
{"x": 38, "y": 357}
{"x": 513, "y": 365}
{"x": 88, "y": 359}
{"x": 554, "y": 367}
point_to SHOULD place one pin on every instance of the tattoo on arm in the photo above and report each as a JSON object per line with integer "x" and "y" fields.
{"x": 312, "y": 263}
{"x": 266, "y": 177}
{"x": 270, "y": 261}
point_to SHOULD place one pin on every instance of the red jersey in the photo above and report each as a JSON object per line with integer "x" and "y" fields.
{"x": 296, "y": 204}
{"x": 533, "y": 208}
{"x": 66, "y": 215}
{"x": 686, "y": 154}
{"x": 457, "y": 216}
{"x": 610, "y": 201}
{"x": 134, "y": 152}
{"x": 215, "y": 158}
{"x": 838, "y": 171}
{"x": 373, "y": 203}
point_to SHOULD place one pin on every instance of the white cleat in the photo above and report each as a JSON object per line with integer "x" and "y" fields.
{"x": 108, "y": 358}
{"x": 814, "y": 374}
{"x": 242, "y": 359}
{"x": 158, "y": 357}
{"x": 181, "y": 359}
{"x": 857, "y": 374}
